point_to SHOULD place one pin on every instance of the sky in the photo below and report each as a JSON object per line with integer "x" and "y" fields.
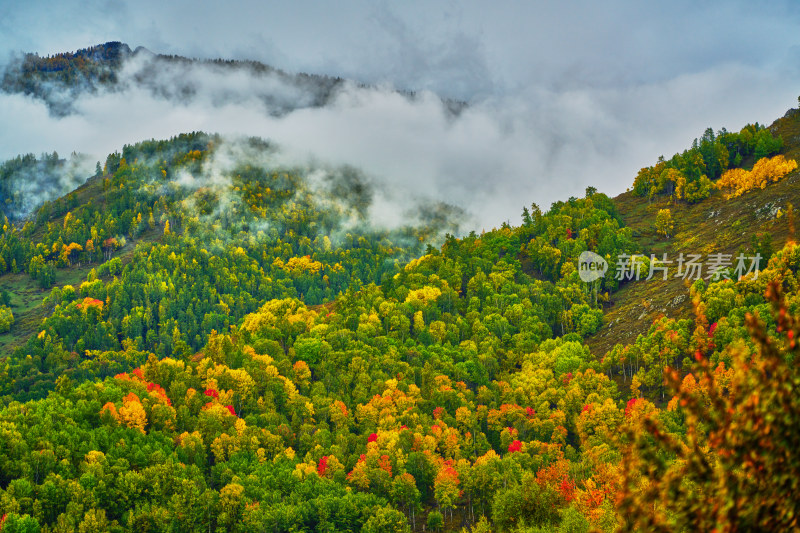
{"x": 562, "y": 95}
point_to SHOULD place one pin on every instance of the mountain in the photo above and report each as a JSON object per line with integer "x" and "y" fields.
{"x": 200, "y": 337}
{"x": 62, "y": 78}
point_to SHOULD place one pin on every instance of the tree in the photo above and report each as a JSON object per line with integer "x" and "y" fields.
{"x": 435, "y": 521}
{"x": 19, "y": 523}
{"x": 766, "y": 170}
{"x": 664, "y": 223}
{"x": 6, "y": 319}
{"x": 386, "y": 519}
{"x": 697, "y": 190}
{"x": 446, "y": 488}
{"x": 740, "y": 457}
{"x": 405, "y": 492}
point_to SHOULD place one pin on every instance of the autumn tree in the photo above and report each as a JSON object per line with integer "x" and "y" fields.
{"x": 738, "y": 463}
{"x": 664, "y": 223}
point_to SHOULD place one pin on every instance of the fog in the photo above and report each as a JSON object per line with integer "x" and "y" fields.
{"x": 556, "y": 102}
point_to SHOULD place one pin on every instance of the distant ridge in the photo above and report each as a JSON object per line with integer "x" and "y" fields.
{"x": 60, "y": 78}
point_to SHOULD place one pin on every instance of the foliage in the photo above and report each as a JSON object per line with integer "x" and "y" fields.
{"x": 766, "y": 170}
{"x": 6, "y": 319}
{"x": 738, "y": 463}
{"x": 664, "y": 223}
{"x": 268, "y": 365}
{"x": 688, "y": 176}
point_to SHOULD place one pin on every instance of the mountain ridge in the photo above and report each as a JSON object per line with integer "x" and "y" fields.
{"x": 90, "y": 69}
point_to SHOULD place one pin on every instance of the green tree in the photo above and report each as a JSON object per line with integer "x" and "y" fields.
{"x": 388, "y": 520}
{"x": 435, "y": 521}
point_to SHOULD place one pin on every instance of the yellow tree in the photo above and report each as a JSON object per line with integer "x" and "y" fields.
{"x": 664, "y": 223}
{"x": 446, "y": 487}
{"x": 132, "y": 413}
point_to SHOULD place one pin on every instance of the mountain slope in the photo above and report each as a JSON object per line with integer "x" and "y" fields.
{"x": 227, "y": 343}
{"x": 714, "y": 225}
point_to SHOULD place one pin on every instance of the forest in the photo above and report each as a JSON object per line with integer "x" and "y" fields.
{"x": 238, "y": 347}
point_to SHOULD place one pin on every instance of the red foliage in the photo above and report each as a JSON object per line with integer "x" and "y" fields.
{"x": 515, "y": 446}
{"x": 138, "y": 373}
{"x": 230, "y": 409}
{"x": 530, "y": 412}
{"x": 712, "y": 328}
{"x": 91, "y": 302}
{"x": 372, "y": 437}
{"x": 403, "y": 427}
{"x": 567, "y": 378}
{"x": 159, "y": 390}
{"x": 587, "y": 407}
{"x": 630, "y": 405}
{"x": 322, "y": 467}
{"x": 567, "y": 489}
{"x": 212, "y": 393}
{"x": 438, "y": 412}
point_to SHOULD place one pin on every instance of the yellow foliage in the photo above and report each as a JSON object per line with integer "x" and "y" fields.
{"x": 419, "y": 321}
{"x": 95, "y": 456}
{"x": 230, "y": 496}
{"x": 414, "y": 263}
{"x": 298, "y": 265}
{"x": 289, "y": 388}
{"x": 289, "y": 453}
{"x": 766, "y": 170}
{"x": 303, "y": 470}
{"x": 424, "y": 295}
{"x": 132, "y": 414}
{"x": 222, "y": 447}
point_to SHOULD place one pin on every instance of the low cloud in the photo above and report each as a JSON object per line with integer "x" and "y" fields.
{"x": 500, "y": 153}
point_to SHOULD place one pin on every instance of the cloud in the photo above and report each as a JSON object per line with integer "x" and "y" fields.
{"x": 459, "y": 49}
{"x": 500, "y": 153}
{"x": 561, "y": 96}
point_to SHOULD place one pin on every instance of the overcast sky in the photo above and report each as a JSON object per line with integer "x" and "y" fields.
{"x": 563, "y": 94}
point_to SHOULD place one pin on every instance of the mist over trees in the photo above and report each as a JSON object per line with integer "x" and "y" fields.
{"x": 203, "y": 335}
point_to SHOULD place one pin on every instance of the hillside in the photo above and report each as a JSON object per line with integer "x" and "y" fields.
{"x": 715, "y": 225}
{"x": 206, "y": 339}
